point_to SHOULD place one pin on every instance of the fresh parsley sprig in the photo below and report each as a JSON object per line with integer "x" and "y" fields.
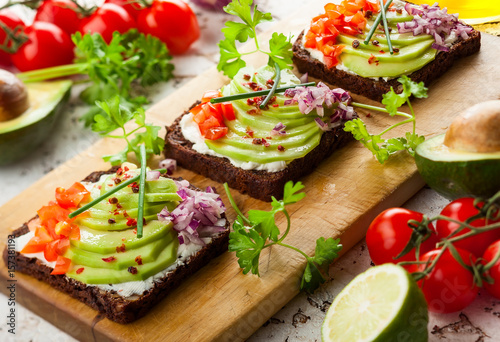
{"x": 258, "y": 231}
{"x": 383, "y": 148}
{"x": 231, "y": 60}
{"x": 112, "y": 68}
{"x": 115, "y": 114}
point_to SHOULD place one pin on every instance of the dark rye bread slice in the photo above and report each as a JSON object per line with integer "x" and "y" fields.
{"x": 109, "y": 303}
{"x": 375, "y": 89}
{"x": 256, "y": 183}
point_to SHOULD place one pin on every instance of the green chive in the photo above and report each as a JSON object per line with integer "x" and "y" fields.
{"x": 386, "y": 27}
{"x": 273, "y": 89}
{"x": 258, "y": 93}
{"x": 107, "y": 194}
{"x": 142, "y": 190}
{"x": 377, "y": 21}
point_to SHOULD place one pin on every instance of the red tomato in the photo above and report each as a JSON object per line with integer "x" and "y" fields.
{"x": 228, "y": 111}
{"x": 132, "y": 8}
{"x": 50, "y": 215}
{"x": 107, "y": 19}
{"x": 47, "y": 46}
{"x": 173, "y": 22}
{"x": 215, "y": 133}
{"x": 388, "y": 234}
{"x": 62, "y": 265}
{"x": 62, "y": 13}
{"x": 38, "y": 242}
{"x": 55, "y": 248}
{"x": 207, "y": 124}
{"x": 210, "y": 94}
{"x": 461, "y": 209}
{"x": 72, "y": 197}
{"x": 494, "y": 272}
{"x": 11, "y": 21}
{"x": 449, "y": 287}
{"x": 212, "y": 110}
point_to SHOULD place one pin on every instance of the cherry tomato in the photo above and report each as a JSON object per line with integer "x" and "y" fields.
{"x": 132, "y": 8}
{"x": 173, "y": 22}
{"x": 11, "y": 21}
{"x": 449, "y": 287}
{"x": 47, "y": 46}
{"x": 62, "y": 13}
{"x": 388, "y": 234}
{"x": 62, "y": 265}
{"x": 71, "y": 197}
{"x": 107, "y": 19}
{"x": 461, "y": 209}
{"x": 494, "y": 272}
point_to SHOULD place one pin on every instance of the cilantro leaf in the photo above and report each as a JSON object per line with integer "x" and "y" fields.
{"x": 230, "y": 58}
{"x": 114, "y": 115}
{"x": 264, "y": 223}
{"x": 393, "y": 101}
{"x": 281, "y": 51}
{"x": 247, "y": 243}
{"x": 326, "y": 251}
{"x": 290, "y": 193}
{"x": 410, "y": 87}
{"x": 373, "y": 142}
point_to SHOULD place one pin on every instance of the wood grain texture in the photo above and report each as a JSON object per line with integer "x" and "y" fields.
{"x": 343, "y": 195}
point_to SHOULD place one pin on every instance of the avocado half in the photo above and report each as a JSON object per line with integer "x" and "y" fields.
{"x": 456, "y": 174}
{"x": 20, "y": 136}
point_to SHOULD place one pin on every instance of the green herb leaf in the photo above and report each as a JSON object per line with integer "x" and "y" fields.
{"x": 114, "y": 115}
{"x": 326, "y": 251}
{"x": 281, "y": 51}
{"x": 247, "y": 243}
{"x": 410, "y": 87}
{"x": 291, "y": 192}
{"x": 373, "y": 142}
{"x": 393, "y": 101}
{"x": 264, "y": 223}
{"x": 230, "y": 58}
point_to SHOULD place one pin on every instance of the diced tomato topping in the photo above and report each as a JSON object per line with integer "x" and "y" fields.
{"x": 211, "y": 112}
{"x": 209, "y": 123}
{"x": 215, "y": 133}
{"x": 34, "y": 224}
{"x": 63, "y": 228}
{"x": 347, "y": 18}
{"x": 72, "y": 197}
{"x": 75, "y": 233}
{"x": 55, "y": 248}
{"x": 38, "y": 242}
{"x": 228, "y": 111}
{"x": 210, "y": 94}
{"x": 62, "y": 265}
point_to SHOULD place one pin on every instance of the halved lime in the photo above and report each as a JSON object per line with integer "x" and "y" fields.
{"x": 381, "y": 304}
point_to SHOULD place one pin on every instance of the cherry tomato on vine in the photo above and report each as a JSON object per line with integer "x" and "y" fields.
{"x": 461, "y": 209}
{"x": 47, "y": 46}
{"x": 494, "y": 272}
{"x": 11, "y": 21}
{"x": 62, "y": 13}
{"x": 132, "y": 8}
{"x": 388, "y": 235}
{"x": 449, "y": 287}
{"x": 107, "y": 19}
{"x": 173, "y": 22}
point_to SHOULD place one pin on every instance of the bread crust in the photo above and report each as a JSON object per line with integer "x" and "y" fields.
{"x": 259, "y": 184}
{"x": 375, "y": 89}
{"x": 113, "y": 306}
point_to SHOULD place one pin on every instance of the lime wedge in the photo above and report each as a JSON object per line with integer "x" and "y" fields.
{"x": 381, "y": 304}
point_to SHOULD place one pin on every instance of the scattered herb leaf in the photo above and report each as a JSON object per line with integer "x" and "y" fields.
{"x": 380, "y": 147}
{"x": 114, "y": 115}
{"x": 230, "y": 58}
{"x": 251, "y": 235}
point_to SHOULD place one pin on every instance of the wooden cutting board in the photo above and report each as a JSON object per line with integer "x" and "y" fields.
{"x": 343, "y": 195}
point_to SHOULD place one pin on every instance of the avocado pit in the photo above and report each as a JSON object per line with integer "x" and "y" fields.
{"x": 476, "y": 130}
{"x": 13, "y": 96}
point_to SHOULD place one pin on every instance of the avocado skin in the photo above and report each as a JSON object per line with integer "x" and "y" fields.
{"x": 17, "y": 144}
{"x": 463, "y": 178}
